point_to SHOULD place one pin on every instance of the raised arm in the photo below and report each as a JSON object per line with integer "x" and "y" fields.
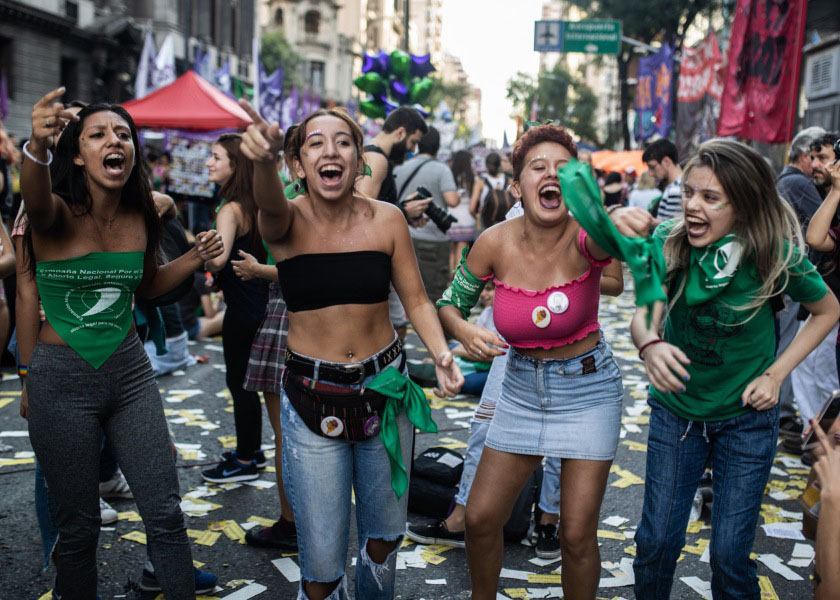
{"x": 48, "y": 120}
{"x": 262, "y": 143}
{"x": 406, "y": 278}
{"x": 817, "y": 235}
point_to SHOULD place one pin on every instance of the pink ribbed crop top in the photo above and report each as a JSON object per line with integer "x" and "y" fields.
{"x": 556, "y": 316}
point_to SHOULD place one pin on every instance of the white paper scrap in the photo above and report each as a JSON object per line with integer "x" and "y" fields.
{"x": 706, "y": 557}
{"x": 704, "y": 588}
{"x": 800, "y": 563}
{"x": 436, "y": 581}
{"x": 775, "y": 564}
{"x": 249, "y": 591}
{"x": 248, "y": 525}
{"x": 615, "y": 521}
{"x": 802, "y": 551}
{"x": 261, "y": 483}
{"x": 288, "y": 568}
{"x": 543, "y": 562}
{"x": 14, "y": 434}
{"x": 778, "y": 472}
{"x": 789, "y": 531}
{"x": 514, "y": 574}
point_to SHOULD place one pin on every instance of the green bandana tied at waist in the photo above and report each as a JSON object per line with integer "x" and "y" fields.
{"x": 583, "y": 198}
{"x": 87, "y": 300}
{"x": 402, "y": 393}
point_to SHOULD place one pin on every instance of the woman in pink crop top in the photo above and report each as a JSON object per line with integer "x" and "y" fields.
{"x": 561, "y": 395}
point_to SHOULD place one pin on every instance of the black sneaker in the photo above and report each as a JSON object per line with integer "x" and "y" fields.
{"x": 436, "y": 533}
{"x": 548, "y": 544}
{"x": 793, "y": 445}
{"x": 281, "y": 535}
{"x": 259, "y": 457}
{"x": 230, "y": 471}
{"x": 205, "y": 582}
{"x": 790, "y": 427}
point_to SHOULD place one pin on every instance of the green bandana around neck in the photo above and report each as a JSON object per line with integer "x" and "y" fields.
{"x": 583, "y": 198}
{"x": 712, "y": 268}
{"x": 87, "y": 300}
{"x": 402, "y": 393}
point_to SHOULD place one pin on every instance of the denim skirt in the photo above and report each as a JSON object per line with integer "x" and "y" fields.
{"x": 569, "y": 408}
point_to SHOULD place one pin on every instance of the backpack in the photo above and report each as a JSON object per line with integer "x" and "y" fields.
{"x": 496, "y": 204}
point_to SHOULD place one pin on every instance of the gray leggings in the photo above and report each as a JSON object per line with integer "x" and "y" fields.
{"x": 68, "y": 403}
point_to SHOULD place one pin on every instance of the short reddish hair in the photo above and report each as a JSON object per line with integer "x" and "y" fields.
{"x": 538, "y": 135}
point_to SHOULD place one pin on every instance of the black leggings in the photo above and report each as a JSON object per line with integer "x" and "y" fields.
{"x": 237, "y": 336}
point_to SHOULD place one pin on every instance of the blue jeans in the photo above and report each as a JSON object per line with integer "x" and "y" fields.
{"x": 741, "y": 450}
{"x": 319, "y": 474}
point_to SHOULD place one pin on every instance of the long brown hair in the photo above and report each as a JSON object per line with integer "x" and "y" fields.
{"x": 240, "y": 189}
{"x": 765, "y": 224}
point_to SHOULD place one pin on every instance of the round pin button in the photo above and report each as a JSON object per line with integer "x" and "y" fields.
{"x": 541, "y": 317}
{"x": 372, "y": 426}
{"x": 558, "y": 302}
{"x": 332, "y": 426}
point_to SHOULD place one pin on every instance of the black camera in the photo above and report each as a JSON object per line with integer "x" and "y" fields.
{"x": 836, "y": 149}
{"x": 439, "y": 216}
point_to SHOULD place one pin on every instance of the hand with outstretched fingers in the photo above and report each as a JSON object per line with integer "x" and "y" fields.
{"x": 209, "y": 244}
{"x": 49, "y": 118}
{"x": 664, "y": 365}
{"x": 449, "y": 376}
{"x": 261, "y": 142}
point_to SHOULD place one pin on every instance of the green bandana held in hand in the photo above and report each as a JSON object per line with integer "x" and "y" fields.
{"x": 402, "y": 393}
{"x": 583, "y": 198}
{"x": 711, "y": 269}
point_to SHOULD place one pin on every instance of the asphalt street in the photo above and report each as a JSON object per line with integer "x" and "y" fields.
{"x": 199, "y": 410}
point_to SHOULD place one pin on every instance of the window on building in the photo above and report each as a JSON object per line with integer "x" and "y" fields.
{"x": 316, "y": 75}
{"x": 278, "y": 16}
{"x": 312, "y": 21}
{"x": 71, "y": 9}
{"x": 6, "y": 65}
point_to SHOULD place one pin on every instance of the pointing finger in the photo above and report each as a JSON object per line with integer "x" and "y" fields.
{"x": 255, "y": 116}
{"x": 45, "y": 100}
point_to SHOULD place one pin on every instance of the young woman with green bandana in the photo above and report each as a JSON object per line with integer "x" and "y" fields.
{"x": 711, "y": 361}
{"x": 92, "y": 243}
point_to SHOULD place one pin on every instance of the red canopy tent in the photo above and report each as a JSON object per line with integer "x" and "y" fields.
{"x": 189, "y": 103}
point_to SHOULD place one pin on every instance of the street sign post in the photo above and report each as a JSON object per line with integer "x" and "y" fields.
{"x": 591, "y": 37}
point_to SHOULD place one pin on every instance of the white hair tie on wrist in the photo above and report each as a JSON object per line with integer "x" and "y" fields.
{"x": 35, "y": 160}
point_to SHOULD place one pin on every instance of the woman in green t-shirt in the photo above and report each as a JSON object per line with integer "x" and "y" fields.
{"x": 713, "y": 372}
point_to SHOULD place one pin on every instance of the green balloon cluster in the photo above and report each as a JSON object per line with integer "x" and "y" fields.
{"x": 393, "y": 80}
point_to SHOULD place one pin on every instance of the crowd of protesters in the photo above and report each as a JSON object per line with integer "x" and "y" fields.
{"x": 325, "y": 249}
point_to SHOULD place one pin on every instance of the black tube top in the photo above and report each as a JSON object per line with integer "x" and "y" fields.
{"x": 311, "y": 281}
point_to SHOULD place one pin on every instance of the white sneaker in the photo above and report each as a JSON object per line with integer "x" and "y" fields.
{"x": 106, "y": 511}
{"x": 116, "y": 487}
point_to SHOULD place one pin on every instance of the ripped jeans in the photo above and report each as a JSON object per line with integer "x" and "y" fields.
{"x": 319, "y": 475}
{"x": 741, "y": 450}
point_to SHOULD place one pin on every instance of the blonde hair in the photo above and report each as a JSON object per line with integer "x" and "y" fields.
{"x": 646, "y": 181}
{"x": 765, "y": 224}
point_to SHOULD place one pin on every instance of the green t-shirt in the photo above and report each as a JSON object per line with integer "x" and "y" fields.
{"x": 726, "y": 353}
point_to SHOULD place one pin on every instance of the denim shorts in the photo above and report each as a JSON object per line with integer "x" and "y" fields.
{"x": 551, "y": 407}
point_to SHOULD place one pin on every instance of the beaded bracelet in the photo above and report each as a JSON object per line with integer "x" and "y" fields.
{"x": 647, "y": 344}
{"x": 23, "y": 371}
{"x": 35, "y": 160}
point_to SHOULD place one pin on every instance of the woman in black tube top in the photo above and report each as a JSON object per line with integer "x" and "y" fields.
{"x": 336, "y": 255}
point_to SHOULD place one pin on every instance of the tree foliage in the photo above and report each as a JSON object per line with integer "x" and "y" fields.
{"x": 454, "y": 93}
{"x": 646, "y": 21}
{"x": 275, "y": 51}
{"x": 559, "y": 96}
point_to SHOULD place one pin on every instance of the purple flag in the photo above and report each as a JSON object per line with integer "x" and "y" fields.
{"x": 654, "y": 103}
{"x": 271, "y": 95}
{"x": 290, "y": 108}
{"x": 4, "y": 96}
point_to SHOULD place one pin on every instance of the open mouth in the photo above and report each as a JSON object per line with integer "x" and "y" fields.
{"x": 114, "y": 164}
{"x": 550, "y": 196}
{"x": 331, "y": 174}
{"x": 695, "y": 226}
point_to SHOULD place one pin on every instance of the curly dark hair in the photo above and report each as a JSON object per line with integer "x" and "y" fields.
{"x": 538, "y": 135}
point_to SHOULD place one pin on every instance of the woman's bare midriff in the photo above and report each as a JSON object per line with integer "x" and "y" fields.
{"x": 48, "y": 335}
{"x": 346, "y": 333}
{"x": 563, "y": 352}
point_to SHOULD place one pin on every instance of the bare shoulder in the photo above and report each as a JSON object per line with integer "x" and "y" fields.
{"x": 384, "y": 211}
{"x": 375, "y": 159}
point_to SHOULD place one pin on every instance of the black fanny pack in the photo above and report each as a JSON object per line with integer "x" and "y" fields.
{"x": 354, "y": 416}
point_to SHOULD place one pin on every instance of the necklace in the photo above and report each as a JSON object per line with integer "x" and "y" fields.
{"x": 113, "y": 218}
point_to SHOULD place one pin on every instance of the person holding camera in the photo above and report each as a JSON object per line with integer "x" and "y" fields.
{"x": 430, "y": 221}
